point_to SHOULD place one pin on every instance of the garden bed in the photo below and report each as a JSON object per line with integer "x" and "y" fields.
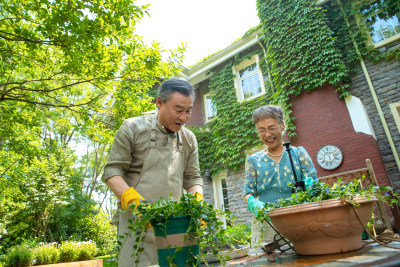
{"x": 91, "y": 263}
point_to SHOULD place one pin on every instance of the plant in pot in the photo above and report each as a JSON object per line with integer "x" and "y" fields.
{"x": 326, "y": 219}
{"x": 183, "y": 229}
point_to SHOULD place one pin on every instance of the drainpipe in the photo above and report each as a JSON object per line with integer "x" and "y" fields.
{"x": 373, "y": 93}
{"x": 266, "y": 60}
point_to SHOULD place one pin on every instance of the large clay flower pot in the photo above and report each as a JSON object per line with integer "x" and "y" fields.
{"x": 172, "y": 235}
{"x": 324, "y": 227}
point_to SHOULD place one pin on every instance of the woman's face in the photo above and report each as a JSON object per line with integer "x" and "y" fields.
{"x": 270, "y": 133}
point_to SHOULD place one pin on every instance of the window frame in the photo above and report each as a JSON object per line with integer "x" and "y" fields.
{"x": 205, "y": 96}
{"x": 395, "y": 109}
{"x": 361, "y": 23}
{"x": 236, "y": 71}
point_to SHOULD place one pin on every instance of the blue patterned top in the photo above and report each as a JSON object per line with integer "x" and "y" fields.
{"x": 268, "y": 180}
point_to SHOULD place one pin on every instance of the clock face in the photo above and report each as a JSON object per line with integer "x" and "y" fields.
{"x": 329, "y": 157}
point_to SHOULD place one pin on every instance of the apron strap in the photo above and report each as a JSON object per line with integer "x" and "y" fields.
{"x": 153, "y": 132}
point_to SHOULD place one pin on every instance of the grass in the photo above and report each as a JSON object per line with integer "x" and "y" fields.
{"x": 108, "y": 260}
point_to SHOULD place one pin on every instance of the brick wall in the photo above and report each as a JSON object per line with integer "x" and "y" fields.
{"x": 322, "y": 118}
{"x": 197, "y": 111}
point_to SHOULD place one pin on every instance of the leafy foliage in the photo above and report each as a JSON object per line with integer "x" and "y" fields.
{"x": 19, "y": 256}
{"x": 344, "y": 18}
{"x": 71, "y": 72}
{"x": 204, "y": 221}
{"x": 321, "y": 191}
{"x": 46, "y": 254}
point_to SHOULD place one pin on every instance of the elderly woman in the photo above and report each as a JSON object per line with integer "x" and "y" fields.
{"x": 269, "y": 171}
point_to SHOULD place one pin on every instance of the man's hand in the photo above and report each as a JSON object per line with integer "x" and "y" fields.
{"x": 130, "y": 196}
{"x": 254, "y": 205}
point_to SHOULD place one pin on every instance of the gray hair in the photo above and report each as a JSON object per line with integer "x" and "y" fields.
{"x": 173, "y": 85}
{"x": 266, "y": 112}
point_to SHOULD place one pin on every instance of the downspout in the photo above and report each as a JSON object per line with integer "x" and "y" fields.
{"x": 373, "y": 93}
{"x": 266, "y": 60}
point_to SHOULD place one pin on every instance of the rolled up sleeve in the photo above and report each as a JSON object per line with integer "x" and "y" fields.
{"x": 120, "y": 156}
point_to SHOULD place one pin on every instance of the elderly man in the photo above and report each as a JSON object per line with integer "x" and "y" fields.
{"x": 151, "y": 157}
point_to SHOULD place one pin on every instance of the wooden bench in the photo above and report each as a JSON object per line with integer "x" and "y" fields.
{"x": 368, "y": 172}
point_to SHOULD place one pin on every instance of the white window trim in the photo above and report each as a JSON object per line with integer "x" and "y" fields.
{"x": 363, "y": 27}
{"x": 205, "y": 108}
{"x": 219, "y": 195}
{"x": 236, "y": 69}
{"x": 395, "y": 108}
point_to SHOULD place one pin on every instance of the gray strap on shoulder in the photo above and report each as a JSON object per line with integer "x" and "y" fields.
{"x": 153, "y": 132}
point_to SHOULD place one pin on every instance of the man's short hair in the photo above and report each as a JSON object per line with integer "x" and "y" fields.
{"x": 173, "y": 85}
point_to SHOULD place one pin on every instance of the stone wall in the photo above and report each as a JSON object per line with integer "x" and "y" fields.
{"x": 237, "y": 205}
{"x": 385, "y": 77}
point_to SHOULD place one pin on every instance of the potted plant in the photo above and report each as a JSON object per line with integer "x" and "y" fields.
{"x": 193, "y": 221}
{"x": 326, "y": 219}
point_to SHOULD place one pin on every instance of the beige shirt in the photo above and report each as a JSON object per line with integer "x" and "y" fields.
{"x": 131, "y": 141}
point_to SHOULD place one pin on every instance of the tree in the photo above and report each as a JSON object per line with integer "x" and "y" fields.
{"x": 69, "y": 68}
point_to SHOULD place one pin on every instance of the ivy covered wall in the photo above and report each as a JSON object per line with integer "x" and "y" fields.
{"x": 307, "y": 47}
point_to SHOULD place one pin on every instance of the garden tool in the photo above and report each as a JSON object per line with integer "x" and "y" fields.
{"x": 297, "y": 183}
{"x": 280, "y": 242}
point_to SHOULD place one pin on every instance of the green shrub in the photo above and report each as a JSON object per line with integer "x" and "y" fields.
{"x": 77, "y": 251}
{"x": 88, "y": 250}
{"x": 69, "y": 252}
{"x": 19, "y": 256}
{"x": 102, "y": 232}
{"x": 239, "y": 234}
{"x": 46, "y": 254}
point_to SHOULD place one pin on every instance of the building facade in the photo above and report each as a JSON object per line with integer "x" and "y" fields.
{"x": 363, "y": 125}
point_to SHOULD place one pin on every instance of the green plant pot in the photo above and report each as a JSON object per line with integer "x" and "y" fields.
{"x": 174, "y": 244}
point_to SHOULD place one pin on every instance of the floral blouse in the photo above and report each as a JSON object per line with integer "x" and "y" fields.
{"x": 268, "y": 180}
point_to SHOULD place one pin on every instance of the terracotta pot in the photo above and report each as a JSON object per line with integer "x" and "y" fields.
{"x": 324, "y": 227}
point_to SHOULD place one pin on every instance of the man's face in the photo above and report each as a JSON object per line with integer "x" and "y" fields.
{"x": 175, "y": 112}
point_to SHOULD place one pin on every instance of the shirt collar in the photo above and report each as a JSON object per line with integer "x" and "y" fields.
{"x": 161, "y": 127}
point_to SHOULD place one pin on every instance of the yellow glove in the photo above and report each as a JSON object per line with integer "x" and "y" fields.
{"x": 129, "y": 196}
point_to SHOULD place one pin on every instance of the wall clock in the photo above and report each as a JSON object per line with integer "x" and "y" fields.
{"x": 329, "y": 157}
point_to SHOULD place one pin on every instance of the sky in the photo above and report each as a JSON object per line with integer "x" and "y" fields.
{"x": 207, "y": 26}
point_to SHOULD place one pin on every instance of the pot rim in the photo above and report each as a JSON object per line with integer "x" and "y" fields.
{"x": 324, "y": 204}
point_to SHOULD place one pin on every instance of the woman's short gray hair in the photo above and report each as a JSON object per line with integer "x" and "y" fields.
{"x": 173, "y": 85}
{"x": 266, "y": 112}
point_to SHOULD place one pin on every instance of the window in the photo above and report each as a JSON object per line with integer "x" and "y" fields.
{"x": 395, "y": 108}
{"x": 249, "y": 82}
{"x": 209, "y": 108}
{"x": 381, "y": 22}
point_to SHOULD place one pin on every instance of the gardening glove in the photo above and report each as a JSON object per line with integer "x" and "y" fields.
{"x": 254, "y": 205}
{"x": 308, "y": 181}
{"x": 130, "y": 196}
{"x": 199, "y": 197}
